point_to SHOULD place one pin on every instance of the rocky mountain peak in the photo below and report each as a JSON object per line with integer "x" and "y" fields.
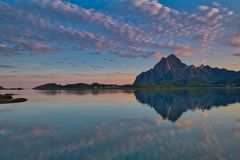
{"x": 172, "y": 57}
{"x": 172, "y": 70}
{"x": 171, "y": 62}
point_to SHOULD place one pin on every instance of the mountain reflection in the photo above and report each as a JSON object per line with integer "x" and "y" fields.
{"x": 171, "y": 104}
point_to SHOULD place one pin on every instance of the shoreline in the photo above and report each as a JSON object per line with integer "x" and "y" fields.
{"x": 135, "y": 88}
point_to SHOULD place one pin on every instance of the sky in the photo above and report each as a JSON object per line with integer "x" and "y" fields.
{"x": 112, "y": 41}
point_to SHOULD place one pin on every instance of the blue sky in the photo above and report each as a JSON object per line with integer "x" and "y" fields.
{"x": 111, "y": 41}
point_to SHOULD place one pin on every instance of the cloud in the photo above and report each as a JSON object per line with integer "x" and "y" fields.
{"x": 234, "y": 41}
{"x": 203, "y": 8}
{"x": 213, "y": 11}
{"x": 96, "y": 67}
{"x": 236, "y": 54}
{"x": 147, "y": 28}
{"x": 204, "y": 60}
{"x": 6, "y": 50}
{"x": 216, "y": 4}
{"x": 7, "y": 66}
{"x": 92, "y": 17}
{"x": 150, "y": 6}
{"x": 158, "y": 55}
{"x": 230, "y": 13}
{"x": 184, "y": 51}
{"x": 36, "y": 47}
{"x": 74, "y": 65}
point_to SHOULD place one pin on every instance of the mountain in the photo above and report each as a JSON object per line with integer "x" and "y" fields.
{"x": 172, "y": 71}
{"x": 1, "y": 88}
{"x": 81, "y": 86}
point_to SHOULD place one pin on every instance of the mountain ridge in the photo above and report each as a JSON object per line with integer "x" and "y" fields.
{"x": 172, "y": 71}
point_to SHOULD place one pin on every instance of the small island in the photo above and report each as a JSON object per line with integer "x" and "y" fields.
{"x": 2, "y": 88}
{"x": 8, "y": 98}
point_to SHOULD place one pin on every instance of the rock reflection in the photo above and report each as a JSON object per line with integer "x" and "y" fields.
{"x": 171, "y": 104}
{"x": 82, "y": 92}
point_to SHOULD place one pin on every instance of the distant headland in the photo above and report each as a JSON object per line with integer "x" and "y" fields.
{"x": 81, "y": 86}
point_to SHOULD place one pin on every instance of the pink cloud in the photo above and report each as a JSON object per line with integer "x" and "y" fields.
{"x": 151, "y": 7}
{"x": 204, "y": 60}
{"x": 184, "y": 51}
{"x": 158, "y": 55}
{"x": 213, "y": 11}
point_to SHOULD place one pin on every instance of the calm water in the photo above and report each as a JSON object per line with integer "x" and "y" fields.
{"x": 118, "y": 125}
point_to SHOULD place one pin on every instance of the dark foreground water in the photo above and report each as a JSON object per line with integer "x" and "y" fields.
{"x": 118, "y": 125}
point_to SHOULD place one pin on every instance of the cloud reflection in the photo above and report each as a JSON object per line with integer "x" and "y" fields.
{"x": 129, "y": 138}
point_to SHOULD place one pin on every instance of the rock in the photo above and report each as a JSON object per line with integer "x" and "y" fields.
{"x": 7, "y": 98}
{"x": 171, "y": 70}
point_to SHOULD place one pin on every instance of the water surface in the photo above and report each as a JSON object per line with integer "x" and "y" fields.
{"x": 121, "y": 125}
